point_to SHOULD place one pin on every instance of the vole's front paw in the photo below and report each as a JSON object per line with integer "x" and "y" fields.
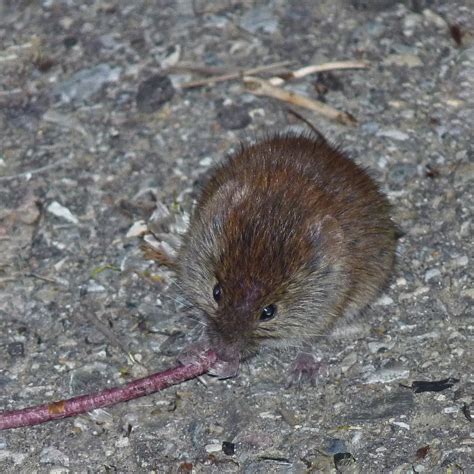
{"x": 306, "y": 368}
{"x": 225, "y": 369}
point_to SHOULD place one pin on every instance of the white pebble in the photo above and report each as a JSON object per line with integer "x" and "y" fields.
{"x": 59, "y": 210}
{"x": 138, "y": 229}
{"x": 405, "y": 426}
{"x": 213, "y": 448}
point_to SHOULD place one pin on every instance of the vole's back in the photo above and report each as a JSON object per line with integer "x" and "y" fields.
{"x": 289, "y": 220}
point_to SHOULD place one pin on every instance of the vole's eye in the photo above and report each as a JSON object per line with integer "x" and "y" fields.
{"x": 268, "y": 312}
{"x": 217, "y": 292}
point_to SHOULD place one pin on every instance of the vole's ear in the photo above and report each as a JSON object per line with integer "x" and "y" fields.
{"x": 328, "y": 239}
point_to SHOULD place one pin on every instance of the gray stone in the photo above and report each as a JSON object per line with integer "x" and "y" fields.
{"x": 87, "y": 82}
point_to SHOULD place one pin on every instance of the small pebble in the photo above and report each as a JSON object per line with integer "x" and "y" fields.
{"x": 205, "y": 162}
{"x": 401, "y": 424}
{"x": 16, "y": 349}
{"x": 59, "y": 210}
{"x": 228, "y": 448}
{"x": 213, "y": 448}
{"x": 431, "y": 274}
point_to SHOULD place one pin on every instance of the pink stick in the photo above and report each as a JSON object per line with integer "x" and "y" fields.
{"x": 84, "y": 403}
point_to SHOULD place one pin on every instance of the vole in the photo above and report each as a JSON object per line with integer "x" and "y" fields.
{"x": 288, "y": 238}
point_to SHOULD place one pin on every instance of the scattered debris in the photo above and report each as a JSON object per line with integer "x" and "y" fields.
{"x": 227, "y": 76}
{"x": 421, "y": 453}
{"x": 456, "y": 34}
{"x": 467, "y": 412}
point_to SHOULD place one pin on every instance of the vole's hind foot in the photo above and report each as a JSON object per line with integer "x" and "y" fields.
{"x": 306, "y": 368}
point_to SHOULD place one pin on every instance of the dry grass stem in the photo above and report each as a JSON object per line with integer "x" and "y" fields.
{"x": 233, "y": 75}
{"x": 305, "y": 71}
{"x": 262, "y": 87}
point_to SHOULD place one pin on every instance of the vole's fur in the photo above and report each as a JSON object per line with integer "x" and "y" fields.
{"x": 289, "y": 221}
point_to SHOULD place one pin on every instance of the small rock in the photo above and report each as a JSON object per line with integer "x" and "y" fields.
{"x": 375, "y": 347}
{"x": 259, "y": 18}
{"x": 461, "y": 261}
{"x": 431, "y": 274}
{"x": 59, "y": 210}
{"x": 233, "y": 117}
{"x": 388, "y": 374}
{"x": 465, "y": 229}
{"x": 122, "y": 442}
{"x": 402, "y": 172}
{"x": 205, "y": 162}
{"x": 393, "y": 133}
{"x": 433, "y": 17}
{"x": 153, "y": 93}
{"x": 348, "y": 362}
{"x": 171, "y": 57}
{"x": 384, "y": 301}
{"x": 94, "y": 287}
{"x": 409, "y": 23}
{"x": 335, "y": 446}
{"x": 52, "y": 455}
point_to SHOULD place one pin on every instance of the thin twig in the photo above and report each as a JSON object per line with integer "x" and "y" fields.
{"x": 108, "y": 334}
{"x": 199, "y": 69}
{"x": 258, "y": 86}
{"x": 233, "y": 75}
{"x": 36, "y": 170}
{"x": 44, "y": 278}
{"x": 305, "y": 71}
{"x": 84, "y": 403}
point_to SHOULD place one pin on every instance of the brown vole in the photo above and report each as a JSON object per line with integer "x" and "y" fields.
{"x": 288, "y": 237}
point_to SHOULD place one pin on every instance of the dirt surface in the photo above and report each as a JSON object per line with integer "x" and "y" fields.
{"x": 96, "y": 133}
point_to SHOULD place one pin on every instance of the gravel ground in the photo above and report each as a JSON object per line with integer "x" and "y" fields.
{"x": 97, "y": 133}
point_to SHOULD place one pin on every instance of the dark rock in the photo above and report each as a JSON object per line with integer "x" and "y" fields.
{"x": 16, "y": 349}
{"x": 228, "y": 448}
{"x": 233, "y": 117}
{"x": 153, "y": 93}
